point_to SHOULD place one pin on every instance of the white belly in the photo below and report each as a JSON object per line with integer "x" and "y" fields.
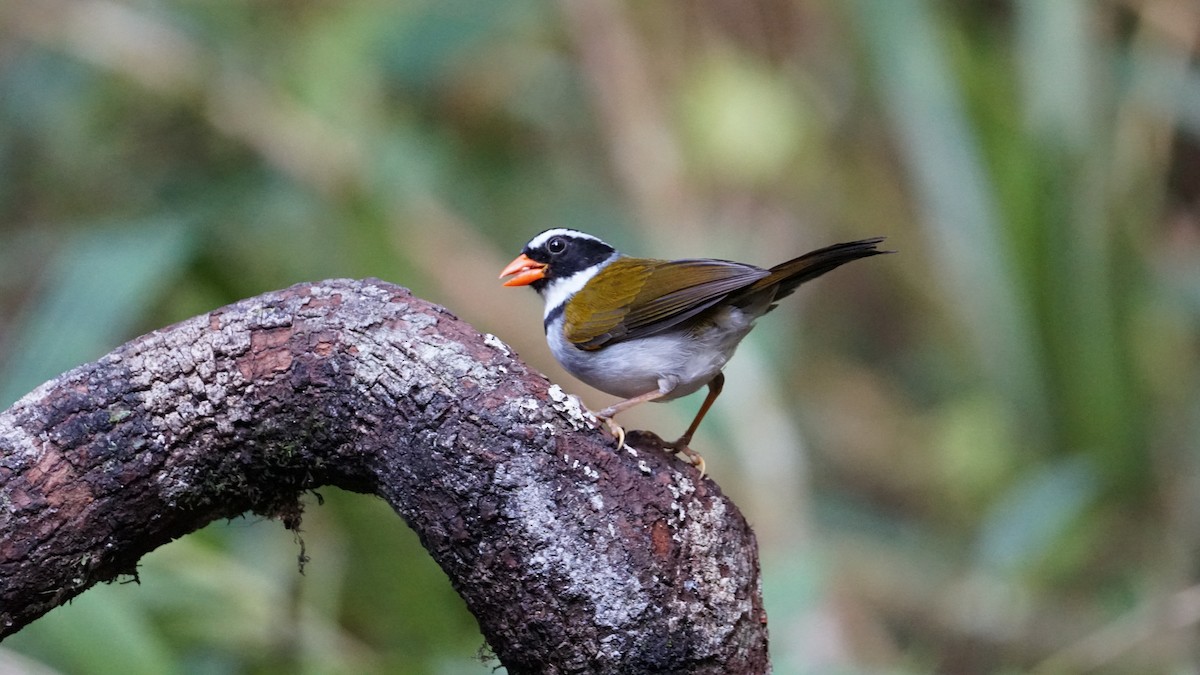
{"x": 669, "y": 362}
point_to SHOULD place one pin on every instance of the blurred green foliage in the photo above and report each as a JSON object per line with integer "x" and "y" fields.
{"x": 977, "y": 456}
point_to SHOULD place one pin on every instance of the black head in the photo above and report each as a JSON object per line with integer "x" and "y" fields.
{"x": 565, "y": 253}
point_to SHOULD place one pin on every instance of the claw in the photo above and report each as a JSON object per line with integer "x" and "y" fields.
{"x": 614, "y": 429}
{"x": 694, "y": 457}
{"x": 680, "y": 446}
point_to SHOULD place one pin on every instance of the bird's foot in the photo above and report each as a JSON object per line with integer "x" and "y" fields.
{"x": 648, "y": 440}
{"x": 613, "y": 428}
{"x": 681, "y": 446}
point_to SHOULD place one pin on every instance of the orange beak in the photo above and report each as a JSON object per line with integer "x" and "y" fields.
{"x": 526, "y": 269}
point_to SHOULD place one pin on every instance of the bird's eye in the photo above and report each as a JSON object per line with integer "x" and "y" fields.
{"x": 556, "y": 245}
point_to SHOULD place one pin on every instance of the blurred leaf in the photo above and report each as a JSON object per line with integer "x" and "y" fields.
{"x": 1187, "y": 103}
{"x": 744, "y": 122}
{"x": 1024, "y": 524}
{"x": 975, "y": 453}
{"x": 439, "y": 37}
{"x": 13, "y": 663}
{"x": 1057, "y": 66}
{"x": 953, "y": 194}
{"x": 99, "y": 634}
{"x": 794, "y": 596}
{"x": 411, "y": 616}
{"x": 100, "y": 283}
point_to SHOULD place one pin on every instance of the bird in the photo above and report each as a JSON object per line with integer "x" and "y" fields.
{"x": 645, "y": 329}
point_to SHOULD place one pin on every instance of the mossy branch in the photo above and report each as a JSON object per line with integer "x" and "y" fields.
{"x": 574, "y": 556}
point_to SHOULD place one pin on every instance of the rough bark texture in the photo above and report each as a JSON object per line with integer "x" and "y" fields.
{"x": 574, "y": 556}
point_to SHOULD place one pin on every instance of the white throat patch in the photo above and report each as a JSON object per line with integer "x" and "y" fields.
{"x": 558, "y": 292}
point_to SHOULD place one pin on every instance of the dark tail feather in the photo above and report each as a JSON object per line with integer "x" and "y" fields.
{"x": 811, "y": 265}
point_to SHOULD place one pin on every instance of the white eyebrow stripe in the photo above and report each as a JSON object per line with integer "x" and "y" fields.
{"x": 541, "y": 239}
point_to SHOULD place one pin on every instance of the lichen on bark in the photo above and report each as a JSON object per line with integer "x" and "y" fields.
{"x": 575, "y": 556}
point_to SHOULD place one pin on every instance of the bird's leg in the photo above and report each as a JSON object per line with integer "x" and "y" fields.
{"x": 611, "y": 411}
{"x": 681, "y": 444}
{"x": 714, "y": 390}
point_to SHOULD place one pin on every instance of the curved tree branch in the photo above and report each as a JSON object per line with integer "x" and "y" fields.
{"x": 573, "y": 556}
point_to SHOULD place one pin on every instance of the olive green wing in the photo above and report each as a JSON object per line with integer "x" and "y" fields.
{"x": 645, "y": 297}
